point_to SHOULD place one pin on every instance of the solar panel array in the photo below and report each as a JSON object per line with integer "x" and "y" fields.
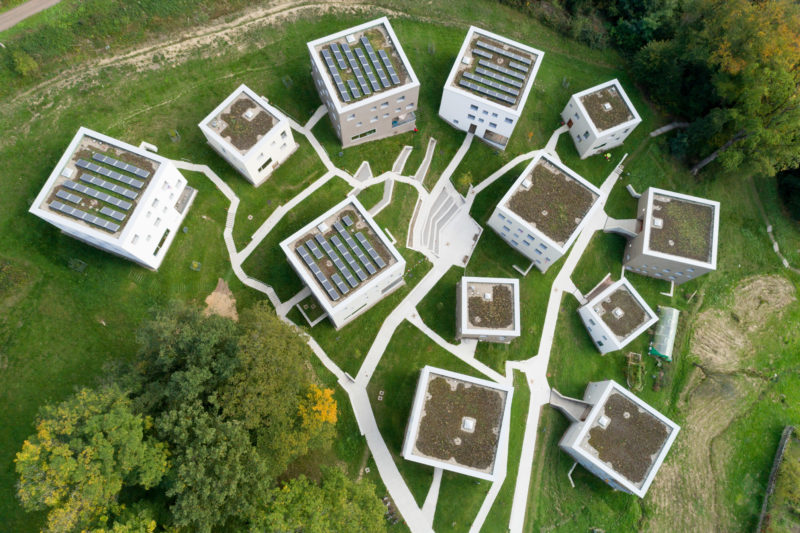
{"x": 113, "y": 187}
{"x": 504, "y": 52}
{"x": 113, "y": 213}
{"x": 487, "y": 92}
{"x": 97, "y": 195}
{"x": 479, "y": 52}
{"x": 345, "y": 247}
{"x": 498, "y": 68}
{"x": 498, "y": 77}
{"x": 491, "y": 83}
{"x": 373, "y": 71}
{"x": 68, "y": 196}
{"x": 103, "y": 171}
{"x": 133, "y": 169}
{"x": 83, "y": 215}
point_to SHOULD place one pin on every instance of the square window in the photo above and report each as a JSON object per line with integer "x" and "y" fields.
{"x": 480, "y": 120}
{"x": 577, "y": 116}
{"x": 538, "y": 251}
{"x": 599, "y": 343}
{"x": 585, "y": 134}
{"x": 485, "y": 112}
{"x": 494, "y": 115}
{"x": 509, "y": 121}
{"x": 471, "y": 117}
{"x": 592, "y": 322}
{"x": 515, "y": 243}
{"x": 135, "y": 239}
{"x": 155, "y": 202}
{"x": 689, "y": 270}
{"x": 374, "y": 119}
{"x": 666, "y": 271}
{"x": 455, "y": 121}
{"x": 158, "y": 221}
{"x": 401, "y": 99}
{"x": 473, "y": 107}
{"x": 579, "y": 138}
{"x": 492, "y": 124}
{"x": 352, "y": 116}
{"x": 359, "y": 123}
{"x": 409, "y": 106}
{"x": 384, "y": 105}
{"x": 386, "y": 115}
{"x": 283, "y": 134}
{"x": 373, "y": 108}
{"x": 501, "y": 216}
{"x": 526, "y": 243}
{"x": 506, "y": 228}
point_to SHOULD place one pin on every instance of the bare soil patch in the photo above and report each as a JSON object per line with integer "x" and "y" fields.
{"x": 221, "y": 302}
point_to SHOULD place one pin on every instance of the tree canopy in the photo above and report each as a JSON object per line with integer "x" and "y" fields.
{"x": 84, "y": 452}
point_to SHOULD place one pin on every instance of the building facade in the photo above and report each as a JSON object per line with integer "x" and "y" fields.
{"x": 487, "y": 309}
{"x": 600, "y": 118}
{"x": 366, "y": 82}
{"x": 346, "y": 260}
{"x": 615, "y": 314}
{"x": 677, "y": 237}
{"x": 116, "y": 197}
{"x": 250, "y": 134}
{"x": 488, "y": 86}
{"x": 542, "y": 227}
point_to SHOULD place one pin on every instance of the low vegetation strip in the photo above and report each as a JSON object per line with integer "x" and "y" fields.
{"x": 781, "y": 508}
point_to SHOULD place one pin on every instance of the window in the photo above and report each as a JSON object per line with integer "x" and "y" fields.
{"x": 397, "y": 110}
{"x": 155, "y": 202}
{"x": 273, "y": 142}
{"x": 455, "y": 121}
{"x": 689, "y": 270}
{"x": 579, "y": 138}
{"x": 471, "y": 117}
{"x": 644, "y": 266}
{"x": 473, "y": 107}
{"x": 492, "y": 124}
{"x": 374, "y": 119}
{"x": 526, "y": 243}
{"x": 501, "y": 216}
{"x": 283, "y": 146}
{"x": 262, "y": 167}
{"x": 538, "y": 262}
{"x": 666, "y": 271}
{"x": 672, "y": 278}
{"x": 585, "y": 134}
{"x": 543, "y": 246}
{"x": 494, "y": 115}
{"x": 386, "y": 115}
{"x": 599, "y": 343}
{"x": 384, "y": 105}
{"x": 374, "y": 108}
{"x": 359, "y": 123}
{"x": 352, "y": 116}
{"x": 148, "y": 214}
{"x": 592, "y": 322}
{"x": 365, "y": 134}
{"x": 515, "y": 243}
{"x": 509, "y": 121}
{"x": 283, "y": 134}
{"x": 538, "y": 251}
{"x": 409, "y": 106}
{"x": 658, "y": 274}
{"x": 506, "y": 228}
{"x": 401, "y": 99}
{"x": 679, "y": 273}
{"x": 481, "y": 120}
{"x": 627, "y": 130}
{"x": 158, "y": 221}
{"x": 135, "y": 239}
{"x": 485, "y": 112}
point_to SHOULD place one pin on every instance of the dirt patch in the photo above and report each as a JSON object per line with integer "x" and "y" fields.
{"x": 716, "y": 394}
{"x": 555, "y": 203}
{"x": 221, "y": 302}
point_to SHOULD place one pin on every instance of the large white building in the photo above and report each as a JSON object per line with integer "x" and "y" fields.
{"x": 459, "y": 423}
{"x": 676, "y": 236}
{"x": 615, "y": 314}
{"x": 346, "y": 260}
{"x": 615, "y": 435}
{"x": 542, "y": 214}
{"x": 365, "y": 80}
{"x": 487, "y": 309}
{"x": 116, "y": 197}
{"x": 249, "y": 133}
{"x": 488, "y": 86}
{"x": 600, "y": 118}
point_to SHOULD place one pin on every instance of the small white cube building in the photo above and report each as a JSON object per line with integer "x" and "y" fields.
{"x": 615, "y": 314}
{"x": 677, "y": 236}
{"x": 346, "y": 260}
{"x": 487, "y": 309}
{"x": 542, "y": 214}
{"x": 250, "y": 134}
{"x": 488, "y": 86}
{"x": 600, "y": 118}
{"x": 616, "y": 436}
{"x": 459, "y": 423}
{"x": 116, "y": 197}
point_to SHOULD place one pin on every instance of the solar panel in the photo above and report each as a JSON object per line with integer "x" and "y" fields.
{"x": 69, "y": 197}
{"x": 83, "y": 215}
{"x": 314, "y": 249}
{"x": 481, "y": 53}
{"x": 504, "y": 52}
{"x": 350, "y": 57}
{"x": 94, "y": 193}
{"x": 516, "y": 65}
{"x": 328, "y": 59}
{"x": 133, "y": 169}
{"x": 498, "y": 77}
{"x": 487, "y": 92}
{"x": 301, "y": 250}
{"x": 340, "y": 284}
{"x": 347, "y": 221}
{"x": 94, "y": 180}
{"x": 338, "y": 226}
{"x": 498, "y": 68}
{"x": 361, "y": 81}
{"x": 491, "y": 83}
{"x": 109, "y": 173}
{"x": 370, "y": 250}
{"x": 354, "y": 88}
{"x": 332, "y": 294}
{"x": 116, "y": 215}
{"x": 347, "y": 257}
{"x": 338, "y": 55}
{"x": 389, "y": 68}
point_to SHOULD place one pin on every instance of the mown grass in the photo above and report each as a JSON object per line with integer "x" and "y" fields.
{"x": 370, "y": 196}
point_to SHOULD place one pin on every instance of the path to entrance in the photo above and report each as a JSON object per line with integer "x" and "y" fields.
{"x": 14, "y": 16}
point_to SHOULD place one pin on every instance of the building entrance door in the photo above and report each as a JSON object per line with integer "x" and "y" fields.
{"x": 569, "y": 123}
{"x": 472, "y": 128}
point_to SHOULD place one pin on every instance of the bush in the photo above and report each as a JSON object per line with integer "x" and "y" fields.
{"x": 789, "y": 191}
{"x": 24, "y": 64}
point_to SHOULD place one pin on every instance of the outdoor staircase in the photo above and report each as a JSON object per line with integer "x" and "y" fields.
{"x": 444, "y": 208}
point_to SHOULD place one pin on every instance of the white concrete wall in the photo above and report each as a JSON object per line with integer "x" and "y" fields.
{"x": 368, "y": 295}
{"x": 534, "y": 247}
{"x": 602, "y": 337}
{"x": 587, "y": 139}
{"x": 462, "y": 110}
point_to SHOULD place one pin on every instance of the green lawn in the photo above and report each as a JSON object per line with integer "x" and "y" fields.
{"x": 371, "y": 195}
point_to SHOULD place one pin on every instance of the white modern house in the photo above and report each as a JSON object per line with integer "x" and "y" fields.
{"x": 459, "y": 423}
{"x": 365, "y": 80}
{"x": 674, "y": 236}
{"x": 542, "y": 214}
{"x": 487, "y": 309}
{"x": 614, "y": 314}
{"x": 615, "y": 435}
{"x": 488, "y": 86}
{"x": 600, "y": 118}
{"x": 346, "y": 260}
{"x": 249, "y": 133}
{"x": 115, "y": 197}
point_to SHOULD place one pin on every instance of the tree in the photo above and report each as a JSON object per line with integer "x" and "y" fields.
{"x": 318, "y": 415}
{"x": 84, "y": 452}
{"x": 24, "y": 64}
{"x": 337, "y": 504}
{"x": 789, "y": 191}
